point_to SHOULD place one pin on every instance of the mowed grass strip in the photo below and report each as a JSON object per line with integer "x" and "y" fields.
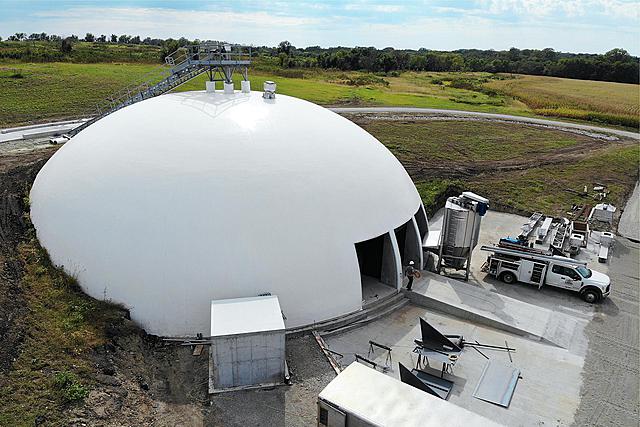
{"x": 605, "y": 102}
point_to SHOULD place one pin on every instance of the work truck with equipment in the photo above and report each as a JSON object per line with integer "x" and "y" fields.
{"x": 514, "y": 263}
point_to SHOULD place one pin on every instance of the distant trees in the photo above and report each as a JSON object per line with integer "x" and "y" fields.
{"x": 36, "y": 36}
{"x": 616, "y": 65}
{"x": 285, "y": 47}
{"x": 18, "y": 37}
{"x": 66, "y": 45}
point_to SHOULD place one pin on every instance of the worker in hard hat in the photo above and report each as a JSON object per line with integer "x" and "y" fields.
{"x": 410, "y": 272}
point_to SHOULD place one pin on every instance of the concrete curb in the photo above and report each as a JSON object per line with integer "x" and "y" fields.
{"x": 497, "y": 311}
{"x": 446, "y": 308}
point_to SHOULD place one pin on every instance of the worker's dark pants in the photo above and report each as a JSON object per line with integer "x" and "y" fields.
{"x": 410, "y": 283}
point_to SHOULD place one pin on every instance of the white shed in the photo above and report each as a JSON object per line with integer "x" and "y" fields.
{"x": 603, "y": 212}
{"x": 247, "y": 343}
{"x": 361, "y": 396}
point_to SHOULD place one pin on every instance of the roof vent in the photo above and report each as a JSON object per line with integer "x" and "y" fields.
{"x": 269, "y": 90}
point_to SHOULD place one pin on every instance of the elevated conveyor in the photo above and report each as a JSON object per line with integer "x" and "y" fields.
{"x": 219, "y": 60}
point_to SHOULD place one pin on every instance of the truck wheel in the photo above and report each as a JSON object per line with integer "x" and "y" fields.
{"x": 591, "y": 295}
{"x": 508, "y": 278}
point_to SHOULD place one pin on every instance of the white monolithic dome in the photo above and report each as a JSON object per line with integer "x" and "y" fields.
{"x": 185, "y": 198}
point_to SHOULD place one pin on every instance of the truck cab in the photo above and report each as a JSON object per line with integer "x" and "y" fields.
{"x": 592, "y": 285}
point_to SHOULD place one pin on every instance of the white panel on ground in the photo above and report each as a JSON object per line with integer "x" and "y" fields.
{"x": 497, "y": 383}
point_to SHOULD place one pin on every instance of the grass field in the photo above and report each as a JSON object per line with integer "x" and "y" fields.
{"x": 82, "y": 52}
{"x": 468, "y": 142}
{"x": 33, "y": 93}
{"x": 519, "y": 166}
{"x": 544, "y": 188}
{"x": 55, "y": 368}
{"x": 604, "y": 102}
{"x": 37, "y": 92}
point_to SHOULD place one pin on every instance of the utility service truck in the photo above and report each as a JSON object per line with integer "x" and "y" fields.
{"x": 539, "y": 268}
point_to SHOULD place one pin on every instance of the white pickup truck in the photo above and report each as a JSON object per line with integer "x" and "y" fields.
{"x": 529, "y": 266}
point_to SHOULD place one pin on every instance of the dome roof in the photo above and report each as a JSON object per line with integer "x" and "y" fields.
{"x": 184, "y": 198}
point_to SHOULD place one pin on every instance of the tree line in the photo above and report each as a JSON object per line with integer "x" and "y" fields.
{"x": 617, "y": 65}
{"x": 89, "y": 37}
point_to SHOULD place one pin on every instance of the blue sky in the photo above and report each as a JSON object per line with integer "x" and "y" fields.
{"x": 593, "y": 26}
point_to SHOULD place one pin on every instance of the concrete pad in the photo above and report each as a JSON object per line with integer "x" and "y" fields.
{"x": 629, "y": 225}
{"x": 33, "y": 131}
{"x": 484, "y": 307}
{"x": 498, "y": 224}
{"x": 373, "y": 290}
{"x": 547, "y": 394}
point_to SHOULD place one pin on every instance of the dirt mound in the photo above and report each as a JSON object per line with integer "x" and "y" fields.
{"x": 16, "y": 174}
{"x": 138, "y": 379}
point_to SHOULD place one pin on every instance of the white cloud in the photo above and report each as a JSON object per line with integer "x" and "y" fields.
{"x": 472, "y": 28}
{"x": 250, "y": 28}
{"x": 388, "y": 8}
{"x": 382, "y": 8}
{"x": 172, "y": 16}
{"x": 568, "y": 8}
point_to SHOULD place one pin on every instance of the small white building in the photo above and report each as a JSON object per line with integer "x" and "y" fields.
{"x": 363, "y": 397}
{"x": 247, "y": 344}
{"x": 603, "y": 212}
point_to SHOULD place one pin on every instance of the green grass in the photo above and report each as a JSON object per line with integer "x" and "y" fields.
{"x": 442, "y": 148}
{"x": 469, "y": 141}
{"x": 52, "y": 91}
{"x": 544, "y": 188}
{"x": 38, "y": 92}
{"x": 54, "y": 370}
{"x": 434, "y": 192}
{"x": 410, "y": 89}
{"x": 81, "y": 52}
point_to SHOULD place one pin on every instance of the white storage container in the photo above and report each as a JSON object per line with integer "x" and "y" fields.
{"x": 247, "y": 344}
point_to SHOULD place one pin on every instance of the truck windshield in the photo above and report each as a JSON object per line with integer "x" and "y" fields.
{"x": 584, "y": 272}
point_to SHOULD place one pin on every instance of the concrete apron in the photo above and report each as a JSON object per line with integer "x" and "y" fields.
{"x": 629, "y": 225}
{"x": 467, "y": 301}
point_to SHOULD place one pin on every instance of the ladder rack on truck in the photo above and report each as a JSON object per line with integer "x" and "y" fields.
{"x": 512, "y": 265}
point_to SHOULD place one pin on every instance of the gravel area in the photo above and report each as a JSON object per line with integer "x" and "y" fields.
{"x": 287, "y": 405}
{"x": 611, "y": 374}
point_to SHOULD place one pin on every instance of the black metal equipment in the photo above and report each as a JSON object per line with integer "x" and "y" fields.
{"x": 426, "y": 382}
{"x": 373, "y": 344}
{"x": 371, "y": 363}
{"x": 434, "y": 340}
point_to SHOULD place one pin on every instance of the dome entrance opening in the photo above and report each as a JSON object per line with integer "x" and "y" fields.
{"x": 378, "y": 263}
{"x": 409, "y": 243}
